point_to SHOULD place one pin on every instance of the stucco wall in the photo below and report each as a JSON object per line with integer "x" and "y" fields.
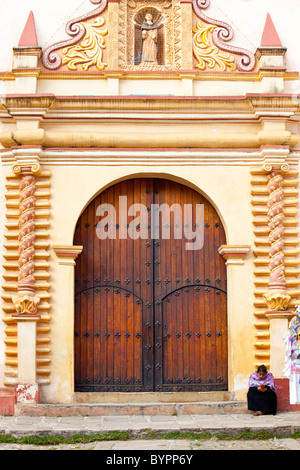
{"x": 72, "y": 190}
{"x": 72, "y": 187}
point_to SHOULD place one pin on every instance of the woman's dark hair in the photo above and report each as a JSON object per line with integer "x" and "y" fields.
{"x": 262, "y": 369}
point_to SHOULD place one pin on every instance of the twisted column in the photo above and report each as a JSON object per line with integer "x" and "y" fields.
{"x": 26, "y": 302}
{"x": 277, "y": 297}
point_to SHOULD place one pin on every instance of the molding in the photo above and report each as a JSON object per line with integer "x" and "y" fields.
{"x": 146, "y": 157}
{"x": 249, "y": 101}
{"x": 234, "y": 254}
{"x": 118, "y": 138}
{"x": 26, "y": 317}
{"x": 26, "y": 72}
{"x": 28, "y": 50}
{"x": 67, "y": 254}
{"x": 279, "y": 314}
{"x": 281, "y": 51}
{"x": 162, "y": 74}
{"x": 171, "y": 75}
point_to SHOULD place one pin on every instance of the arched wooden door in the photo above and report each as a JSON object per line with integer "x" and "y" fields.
{"x": 150, "y": 314}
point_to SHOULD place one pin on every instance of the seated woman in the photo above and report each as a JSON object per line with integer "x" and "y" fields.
{"x": 261, "y": 396}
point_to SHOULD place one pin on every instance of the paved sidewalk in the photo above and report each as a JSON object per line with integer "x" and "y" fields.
{"x": 137, "y": 426}
{"x": 160, "y": 447}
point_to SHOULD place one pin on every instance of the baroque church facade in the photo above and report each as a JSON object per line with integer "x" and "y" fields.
{"x": 149, "y": 186}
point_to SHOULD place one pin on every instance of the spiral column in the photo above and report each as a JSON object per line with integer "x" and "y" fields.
{"x": 26, "y": 302}
{"x": 277, "y": 297}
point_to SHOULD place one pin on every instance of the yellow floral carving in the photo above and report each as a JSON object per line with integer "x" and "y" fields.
{"x": 90, "y": 51}
{"x": 206, "y": 53}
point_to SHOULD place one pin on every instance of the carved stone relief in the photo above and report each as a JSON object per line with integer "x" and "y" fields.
{"x": 90, "y": 51}
{"x": 148, "y": 35}
{"x": 152, "y": 26}
{"x": 210, "y": 43}
{"x": 86, "y": 46}
{"x": 207, "y": 55}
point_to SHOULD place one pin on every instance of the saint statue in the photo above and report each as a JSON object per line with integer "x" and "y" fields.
{"x": 149, "y": 36}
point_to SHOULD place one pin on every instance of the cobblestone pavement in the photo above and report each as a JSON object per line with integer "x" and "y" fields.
{"x": 282, "y": 423}
{"x": 167, "y": 445}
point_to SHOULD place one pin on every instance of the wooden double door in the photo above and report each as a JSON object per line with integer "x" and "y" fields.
{"x": 150, "y": 314}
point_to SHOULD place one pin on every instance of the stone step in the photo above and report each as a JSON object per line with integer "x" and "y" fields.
{"x": 7, "y": 402}
{"x": 153, "y": 397}
{"x": 127, "y": 409}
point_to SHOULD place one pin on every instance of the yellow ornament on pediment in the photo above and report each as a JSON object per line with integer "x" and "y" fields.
{"x": 205, "y": 51}
{"x": 90, "y": 51}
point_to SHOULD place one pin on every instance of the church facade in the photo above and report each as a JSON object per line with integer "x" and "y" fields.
{"x": 149, "y": 186}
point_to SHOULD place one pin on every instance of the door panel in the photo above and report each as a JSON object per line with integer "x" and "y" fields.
{"x": 149, "y": 314}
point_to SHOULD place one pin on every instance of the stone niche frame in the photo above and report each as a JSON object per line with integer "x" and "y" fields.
{"x": 170, "y": 10}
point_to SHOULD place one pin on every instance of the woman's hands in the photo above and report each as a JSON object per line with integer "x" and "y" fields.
{"x": 262, "y": 387}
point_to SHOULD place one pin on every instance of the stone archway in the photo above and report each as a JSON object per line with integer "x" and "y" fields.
{"x": 150, "y": 308}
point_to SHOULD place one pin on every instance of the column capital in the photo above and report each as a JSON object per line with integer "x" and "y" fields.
{"x": 67, "y": 254}
{"x": 274, "y": 158}
{"x": 26, "y": 303}
{"x": 26, "y": 168}
{"x": 268, "y": 167}
{"x": 277, "y": 300}
{"x": 234, "y": 254}
{"x": 27, "y": 160}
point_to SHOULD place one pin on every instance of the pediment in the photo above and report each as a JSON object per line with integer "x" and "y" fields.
{"x": 114, "y": 35}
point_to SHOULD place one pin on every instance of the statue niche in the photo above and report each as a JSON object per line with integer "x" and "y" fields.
{"x": 148, "y": 38}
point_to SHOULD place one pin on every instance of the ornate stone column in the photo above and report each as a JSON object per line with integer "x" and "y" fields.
{"x": 277, "y": 297}
{"x": 26, "y": 302}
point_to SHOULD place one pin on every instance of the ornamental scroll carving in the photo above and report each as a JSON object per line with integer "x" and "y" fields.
{"x": 168, "y": 39}
{"x": 210, "y": 40}
{"x": 206, "y": 53}
{"x": 89, "y": 52}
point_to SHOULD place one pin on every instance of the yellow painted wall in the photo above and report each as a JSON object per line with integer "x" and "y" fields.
{"x": 71, "y": 190}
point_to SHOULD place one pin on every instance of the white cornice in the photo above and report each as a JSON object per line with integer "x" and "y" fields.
{"x": 158, "y": 157}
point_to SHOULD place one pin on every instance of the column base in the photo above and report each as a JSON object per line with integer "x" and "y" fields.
{"x": 283, "y": 395}
{"x": 279, "y": 321}
{"x": 27, "y": 393}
